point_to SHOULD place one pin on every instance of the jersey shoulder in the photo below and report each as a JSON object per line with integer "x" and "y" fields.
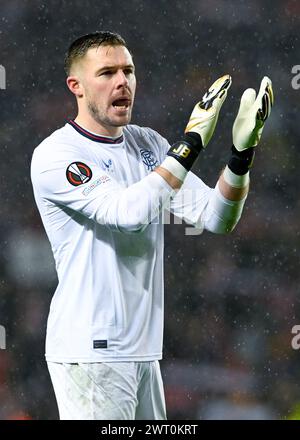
{"x": 61, "y": 143}
{"x": 57, "y": 151}
{"x": 61, "y": 139}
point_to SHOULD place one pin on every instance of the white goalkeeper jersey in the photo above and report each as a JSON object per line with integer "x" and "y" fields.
{"x": 101, "y": 205}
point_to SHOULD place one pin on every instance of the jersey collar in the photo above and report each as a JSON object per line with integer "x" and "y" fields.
{"x": 94, "y": 137}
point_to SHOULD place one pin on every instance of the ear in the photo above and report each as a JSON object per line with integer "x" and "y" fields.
{"x": 75, "y": 86}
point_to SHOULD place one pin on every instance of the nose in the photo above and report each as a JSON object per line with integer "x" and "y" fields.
{"x": 122, "y": 80}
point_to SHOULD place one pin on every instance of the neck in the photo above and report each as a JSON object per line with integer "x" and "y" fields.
{"x": 90, "y": 124}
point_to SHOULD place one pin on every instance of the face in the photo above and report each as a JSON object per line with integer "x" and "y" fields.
{"x": 107, "y": 86}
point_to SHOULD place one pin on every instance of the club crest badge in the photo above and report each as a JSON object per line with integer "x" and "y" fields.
{"x": 149, "y": 159}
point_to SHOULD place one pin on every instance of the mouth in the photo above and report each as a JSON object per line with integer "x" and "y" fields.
{"x": 121, "y": 103}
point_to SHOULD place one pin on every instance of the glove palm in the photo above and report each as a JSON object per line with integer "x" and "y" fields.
{"x": 252, "y": 115}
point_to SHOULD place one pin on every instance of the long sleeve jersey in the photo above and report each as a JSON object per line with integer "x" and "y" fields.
{"x": 102, "y": 208}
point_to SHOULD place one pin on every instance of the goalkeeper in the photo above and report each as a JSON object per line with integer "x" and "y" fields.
{"x": 101, "y": 184}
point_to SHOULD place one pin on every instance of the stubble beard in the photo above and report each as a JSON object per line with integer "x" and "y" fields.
{"x": 102, "y": 119}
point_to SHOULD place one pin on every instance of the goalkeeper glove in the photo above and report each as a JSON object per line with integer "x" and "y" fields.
{"x": 252, "y": 115}
{"x": 249, "y": 124}
{"x": 199, "y": 129}
{"x": 204, "y": 117}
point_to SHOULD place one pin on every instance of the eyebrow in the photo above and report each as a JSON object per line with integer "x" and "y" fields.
{"x": 115, "y": 67}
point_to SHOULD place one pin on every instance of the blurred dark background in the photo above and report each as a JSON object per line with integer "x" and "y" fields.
{"x": 231, "y": 306}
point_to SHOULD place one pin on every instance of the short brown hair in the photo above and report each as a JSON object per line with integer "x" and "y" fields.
{"x": 81, "y": 45}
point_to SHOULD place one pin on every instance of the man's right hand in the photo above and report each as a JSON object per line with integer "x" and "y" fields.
{"x": 199, "y": 130}
{"x": 204, "y": 117}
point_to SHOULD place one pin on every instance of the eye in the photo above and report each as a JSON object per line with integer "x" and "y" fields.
{"x": 106, "y": 72}
{"x": 128, "y": 71}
